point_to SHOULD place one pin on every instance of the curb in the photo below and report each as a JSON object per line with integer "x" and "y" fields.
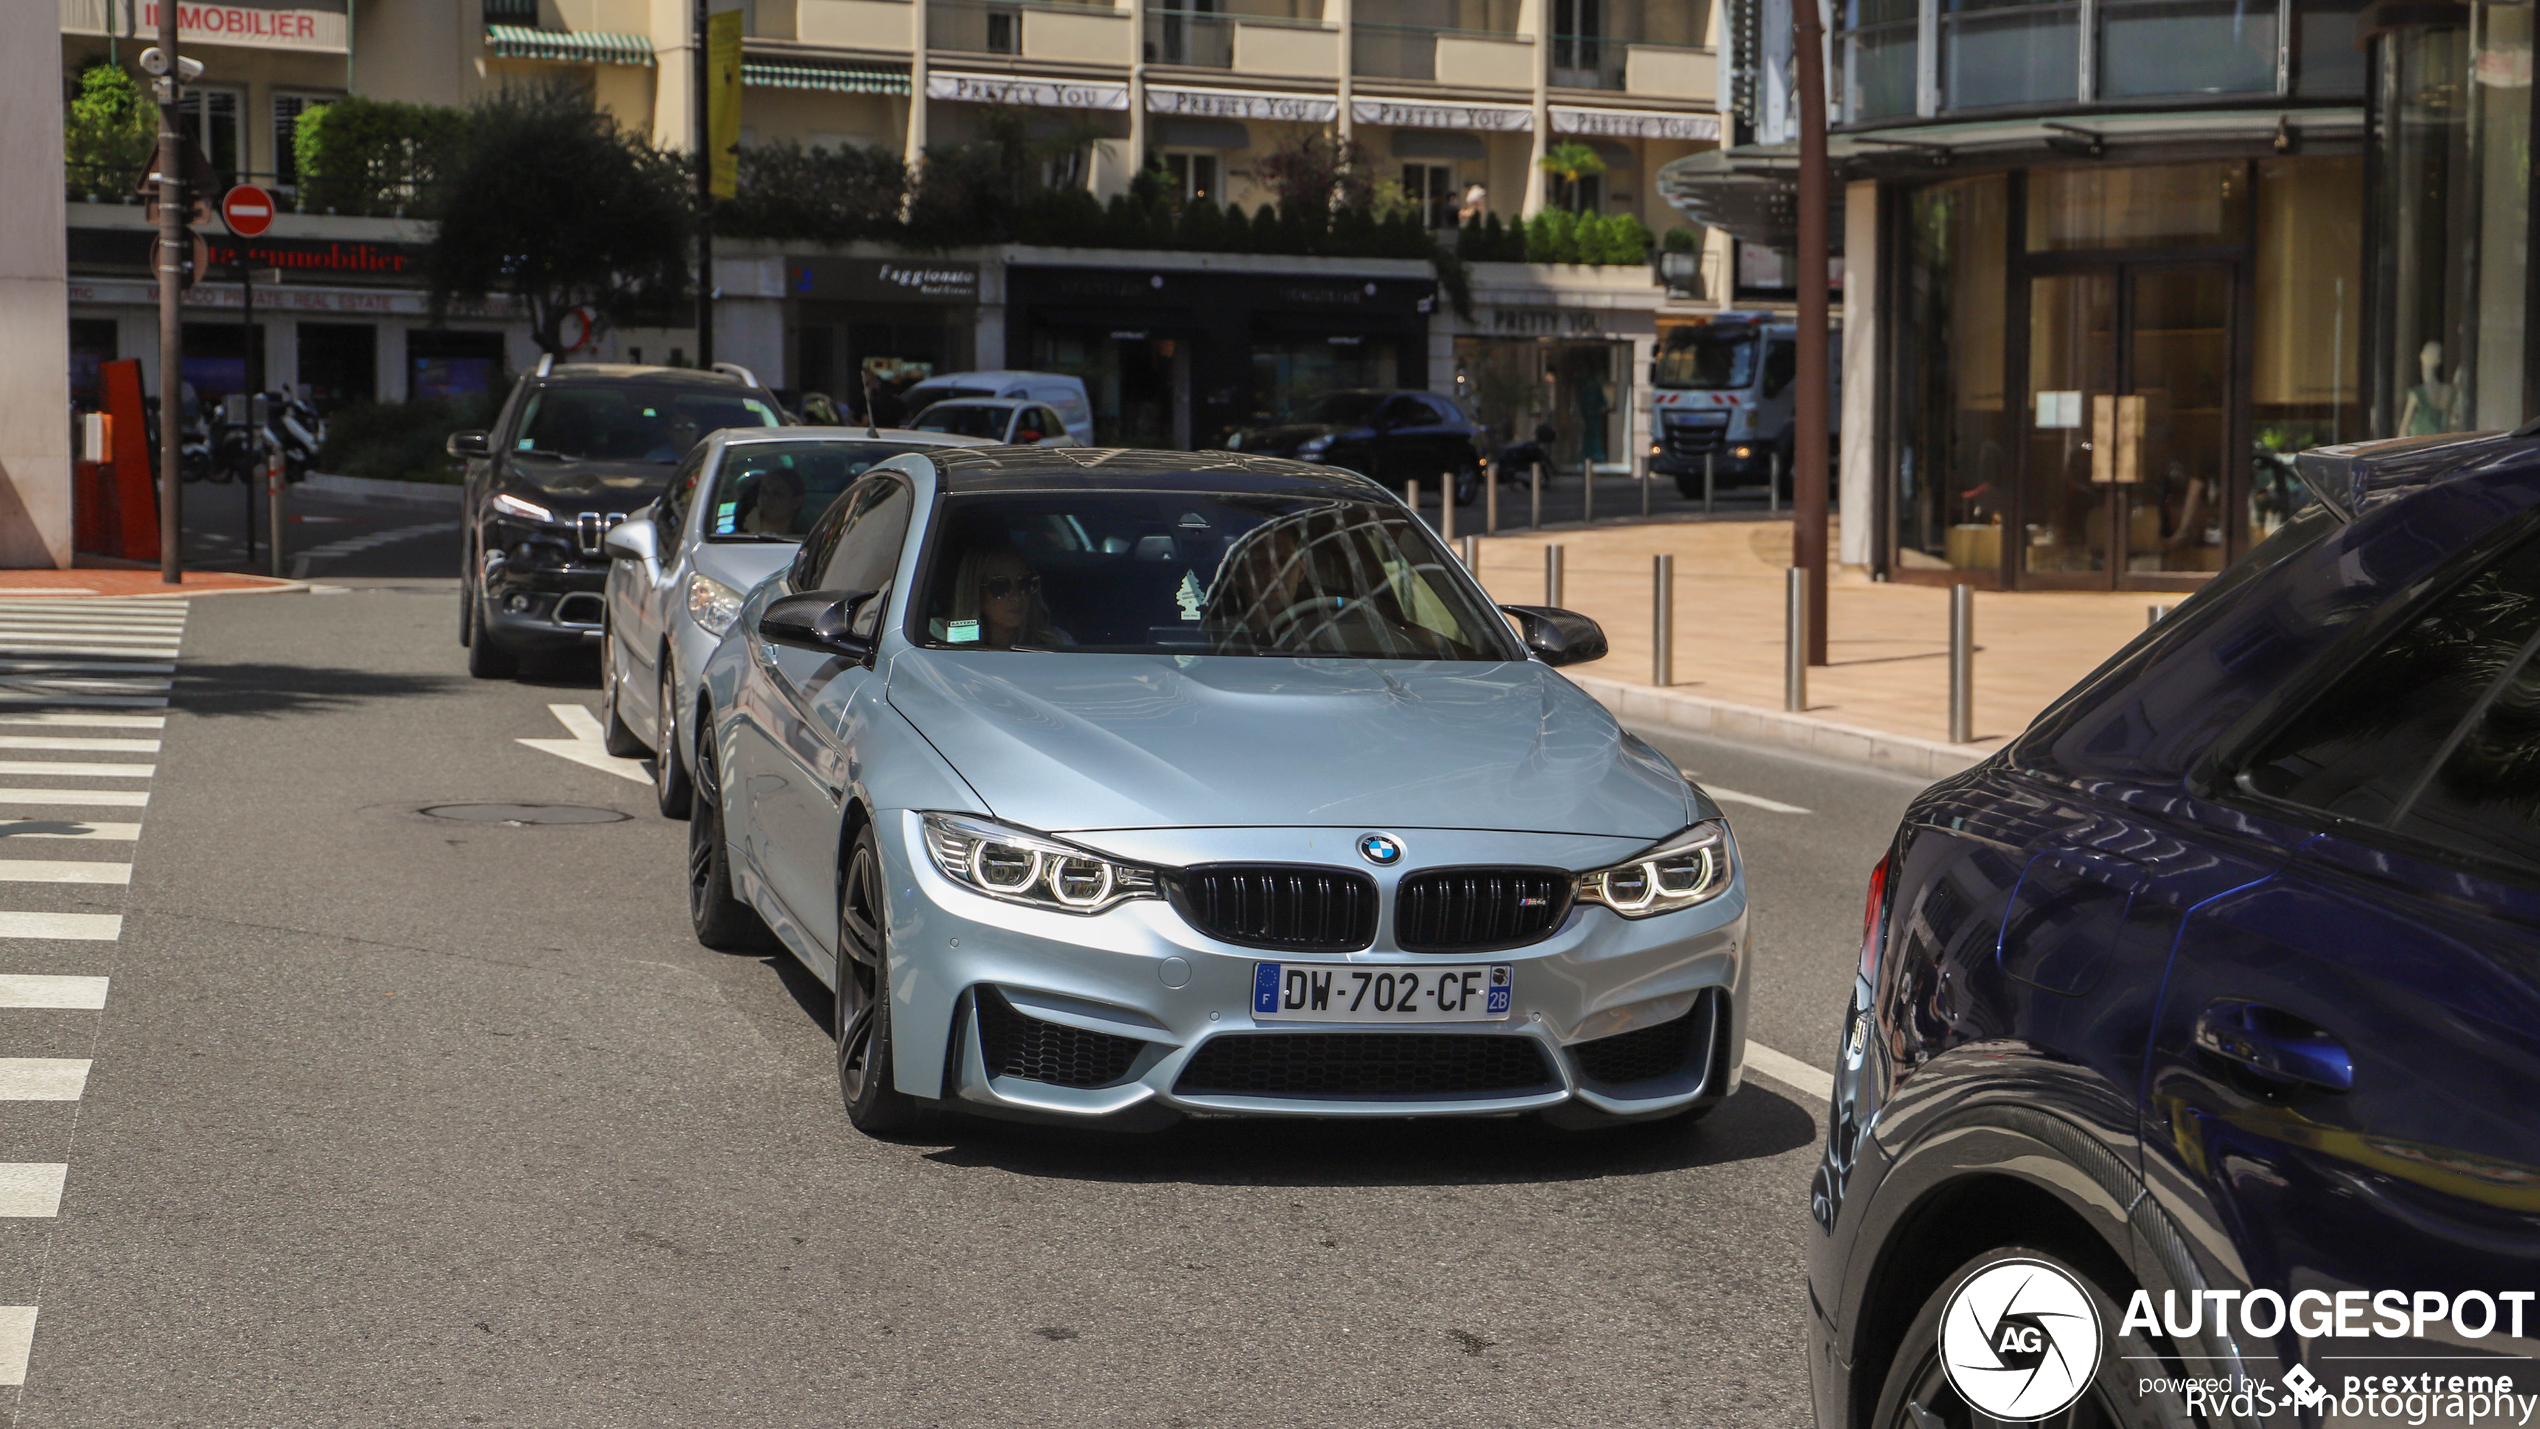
{"x": 1667, "y": 710}
{"x": 371, "y": 491}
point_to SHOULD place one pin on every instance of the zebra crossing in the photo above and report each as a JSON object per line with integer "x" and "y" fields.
{"x": 77, "y": 679}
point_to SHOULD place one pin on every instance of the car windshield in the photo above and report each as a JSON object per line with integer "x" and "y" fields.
{"x": 1344, "y": 409}
{"x": 1201, "y": 573}
{"x": 1708, "y": 359}
{"x": 963, "y": 419}
{"x": 768, "y": 491}
{"x": 628, "y": 422}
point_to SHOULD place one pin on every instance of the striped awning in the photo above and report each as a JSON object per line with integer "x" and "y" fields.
{"x": 829, "y": 76}
{"x": 520, "y": 42}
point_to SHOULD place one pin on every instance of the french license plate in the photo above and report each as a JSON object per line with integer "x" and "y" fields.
{"x": 1325, "y": 992}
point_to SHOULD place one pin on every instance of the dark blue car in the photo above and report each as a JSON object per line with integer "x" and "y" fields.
{"x": 2217, "y": 994}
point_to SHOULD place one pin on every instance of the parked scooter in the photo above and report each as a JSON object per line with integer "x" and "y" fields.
{"x": 273, "y": 421}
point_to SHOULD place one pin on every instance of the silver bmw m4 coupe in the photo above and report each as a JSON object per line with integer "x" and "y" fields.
{"x": 1114, "y": 787}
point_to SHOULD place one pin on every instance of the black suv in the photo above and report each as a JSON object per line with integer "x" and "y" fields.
{"x": 576, "y": 450}
{"x": 1395, "y": 437}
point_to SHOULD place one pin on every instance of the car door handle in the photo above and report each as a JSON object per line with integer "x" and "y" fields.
{"x": 2275, "y": 1045}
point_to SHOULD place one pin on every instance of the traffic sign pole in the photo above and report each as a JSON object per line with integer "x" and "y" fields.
{"x": 172, "y": 214}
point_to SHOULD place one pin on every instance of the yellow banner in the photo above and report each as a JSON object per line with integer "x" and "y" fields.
{"x": 723, "y": 101}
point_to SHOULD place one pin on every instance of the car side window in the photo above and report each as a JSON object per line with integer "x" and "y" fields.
{"x": 1405, "y": 412}
{"x": 822, "y": 539}
{"x": 675, "y": 498}
{"x": 2436, "y": 732}
{"x": 868, "y": 550}
{"x": 1781, "y": 364}
{"x": 1443, "y": 412}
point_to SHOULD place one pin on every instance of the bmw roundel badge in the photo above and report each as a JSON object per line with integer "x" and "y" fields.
{"x": 1382, "y": 850}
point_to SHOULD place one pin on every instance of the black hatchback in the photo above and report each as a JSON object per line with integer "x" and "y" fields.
{"x": 1394, "y": 437}
{"x": 575, "y": 451}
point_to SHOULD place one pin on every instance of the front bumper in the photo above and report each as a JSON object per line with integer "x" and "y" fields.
{"x": 1140, "y": 972}
{"x": 543, "y": 592}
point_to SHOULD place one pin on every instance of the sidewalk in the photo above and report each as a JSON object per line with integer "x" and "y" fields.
{"x": 126, "y": 583}
{"x": 1883, "y": 699}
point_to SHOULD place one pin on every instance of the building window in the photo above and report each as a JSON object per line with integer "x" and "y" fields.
{"x": 1578, "y": 44}
{"x": 209, "y": 119}
{"x": 1431, "y": 191}
{"x": 287, "y": 109}
{"x": 1194, "y": 175}
{"x": 2185, "y": 47}
{"x": 1876, "y": 57}
{"x": 1995, "y": 54}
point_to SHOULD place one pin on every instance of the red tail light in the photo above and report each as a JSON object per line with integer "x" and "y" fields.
{"x": 1872, "y": 917}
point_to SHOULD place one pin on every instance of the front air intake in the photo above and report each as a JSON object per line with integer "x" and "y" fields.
{"x": 1028, "y": 1049}
{"x": 1338, "y": 1066}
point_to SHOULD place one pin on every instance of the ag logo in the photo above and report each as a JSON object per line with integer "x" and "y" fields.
{"x": 2020, "y": 1340}
{"x": 1382, "y": 850}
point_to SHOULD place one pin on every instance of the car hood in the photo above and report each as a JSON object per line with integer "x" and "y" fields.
{"x": 565, "y": 487}
{"x": 742, "y": 564}
{"x": 1067, "y": 742}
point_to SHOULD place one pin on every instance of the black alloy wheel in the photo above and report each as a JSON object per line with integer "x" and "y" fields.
{"x": 1918, "y": 1394}
{"x": 672, "y": 789}
{"x": 722, "y": 921}
{"x": 875, "y": 1104}
{"x": 1468, "y": 481}
{"x": 485, "y": 659}
{"x": 616, "y": 738}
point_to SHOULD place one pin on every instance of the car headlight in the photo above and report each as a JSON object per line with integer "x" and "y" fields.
{"x": 1020, "y": 866}
{"x": 1313, "y": 447}
{"x": 1690, "y": 868}
{"x": 511, "y": 505}
{"x": 712, "y": 604}
{"x": 1235, "y": 442}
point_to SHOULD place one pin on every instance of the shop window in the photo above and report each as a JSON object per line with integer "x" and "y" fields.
{"x": 2138, "y": 206}
{"x": 2185, "y": 47}
{"x": 1951, "y": 460}
{"x": 1194, "y": 175}
{"x": 223, "y": 357}
{"x": 2327, "y": 62}
{"x": 453, "y": 366}
{"x": 1995, "y": 54}
{"x": 1431, "y": 191}
{"x": 1877, "y": 54}
{"x": 1584, "y": 194}
{"x": 2307, "y": 354}
{"x": 339, "y": 364}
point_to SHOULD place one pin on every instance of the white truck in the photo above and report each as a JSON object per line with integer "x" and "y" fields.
{"x": 1721, "y": 393}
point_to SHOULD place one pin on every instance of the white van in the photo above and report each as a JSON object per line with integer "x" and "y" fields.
{"x": 1063, "y": 393}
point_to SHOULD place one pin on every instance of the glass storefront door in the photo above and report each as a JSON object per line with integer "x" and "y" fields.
{"x": 2129, "y": 424}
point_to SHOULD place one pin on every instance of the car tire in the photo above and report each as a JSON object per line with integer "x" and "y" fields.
{"x": 467, "y": 609}
{"x": 862, "y": 1021}
{"x": 485, "y": 659}
{"x": 722, "y": 921}
{"x": 1917, "y": 1393}
{"x": 1468, "y": 483}
{"x": 616, "y": 738}
{"x": 673, "y": 790}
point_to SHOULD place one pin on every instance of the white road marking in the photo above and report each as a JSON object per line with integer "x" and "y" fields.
{"x": 111, "y": 642}
{"x": 64, "y": 994}
{"x": 1736, "y": 796}
{"x": 587, "y": 747}
{"x": 83, "y": 927}
{"x": 32, "y": 1188}
{"x": 33, "y": 666}
{"x": 67, "y": 829}
{"x": 17, "y": 1338}
{"x": 352, "y": 544}
{"x": 43, "y": 1079}
{"x": 96, "y": 721}
{"x": 83, "y": 771}
{"x": 1789, "y": 1071}
{"x": 48, "y": 870}
{"x": 47, "y": 741}
{"x": 82, "y": 699}
{"x": 88, "y": 798}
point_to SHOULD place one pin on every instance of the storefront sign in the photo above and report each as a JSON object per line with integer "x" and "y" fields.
{"x": 296, "y": 25}
{"x": 1242, "y": 104}
{"x": 1010, "y": 89}
{"x": 129, "y": 248}
{"x": 882, "y": 280}
{"x": 270, "y": 298}
{"x": 1403, "y": 114}
{"x": 1634, "y": 124}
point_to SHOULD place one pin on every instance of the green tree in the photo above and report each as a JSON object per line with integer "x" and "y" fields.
{"x": 1570, "y": 161}
{"x": 360, "y": 155}
{"x": 108, "y": 129}
{"x": 550, "y": 202}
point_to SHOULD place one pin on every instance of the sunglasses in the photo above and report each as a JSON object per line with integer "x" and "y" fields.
{"x": 999, "y": 587}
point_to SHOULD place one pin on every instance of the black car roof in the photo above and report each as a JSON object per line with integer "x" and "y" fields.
{"x": 968, "y": 469}
{"x": 576, "y": 374}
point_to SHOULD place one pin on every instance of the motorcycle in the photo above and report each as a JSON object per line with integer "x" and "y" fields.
{"x": 288, "y": 425}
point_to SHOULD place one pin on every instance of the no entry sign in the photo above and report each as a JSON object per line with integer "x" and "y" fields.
{"x": 248, "y": 210}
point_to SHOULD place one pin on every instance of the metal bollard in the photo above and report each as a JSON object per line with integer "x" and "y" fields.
{"x": 1795, "y": 642}
{"x": 1536, "y": 479}
{"x": 1552, "y": 576}
{"x": 1710, "y": 478}
{"x": 1587, "y": 490}
{"x": 1662, "y": 622}
{"x": 1962, "y": 664}
{"x": 2154, "y": 614}
{"x": 1644, "y": 488}
{"x": 273, "y": 505}
{"x": 1411, "y": 497}
{"x": 1490, "y": 501}
{"x": 1773, "y": 484}
{"x": 1446, "y": 504}
{"x": 1471, "y": 551}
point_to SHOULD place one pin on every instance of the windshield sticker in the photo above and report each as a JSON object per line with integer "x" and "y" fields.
{"x": 961, "y": 632}
{"x": 1190, "y": 596}
{"x": 724, "y": 511}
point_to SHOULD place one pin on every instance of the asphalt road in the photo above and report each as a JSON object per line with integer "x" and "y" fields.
{"x": 395, "y": 1119}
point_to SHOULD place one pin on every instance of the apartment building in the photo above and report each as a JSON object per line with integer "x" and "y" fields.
{"x": 1453, "y": 101}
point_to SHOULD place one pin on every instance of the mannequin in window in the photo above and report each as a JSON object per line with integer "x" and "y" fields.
{"x": 2429, "y": 408}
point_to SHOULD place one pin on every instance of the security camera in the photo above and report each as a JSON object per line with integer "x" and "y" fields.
{"x": 187, "y": 70}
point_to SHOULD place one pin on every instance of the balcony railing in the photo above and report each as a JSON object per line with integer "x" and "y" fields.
{"x": 1409, "y": 51}
{"x": 1190, "y": 37}
{"x": 993, "y": 27}
{"x": 1604, "y": 62}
